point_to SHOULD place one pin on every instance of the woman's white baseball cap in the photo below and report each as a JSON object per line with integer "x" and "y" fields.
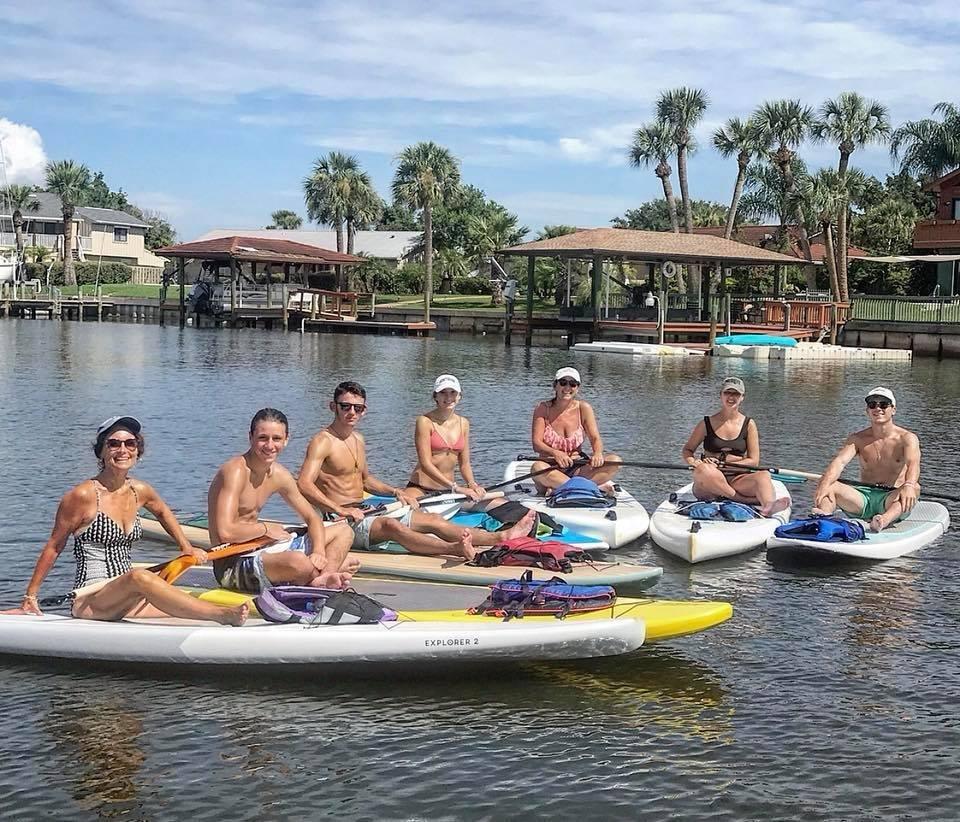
{"x": 445, "y": 381}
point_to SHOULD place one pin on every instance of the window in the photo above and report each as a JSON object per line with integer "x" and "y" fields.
{"x": 119, "y": 234}
{"x": 956, "y": 208}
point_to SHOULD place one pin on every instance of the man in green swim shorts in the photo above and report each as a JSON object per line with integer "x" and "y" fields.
{"x": 889, "y": 455}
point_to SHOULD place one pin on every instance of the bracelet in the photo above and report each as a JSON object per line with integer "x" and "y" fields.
{"x": 266, "y": 528}
{"x": 30, "y": 597}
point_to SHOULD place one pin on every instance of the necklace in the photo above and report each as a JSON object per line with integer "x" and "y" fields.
{"x": 355, "y": 453}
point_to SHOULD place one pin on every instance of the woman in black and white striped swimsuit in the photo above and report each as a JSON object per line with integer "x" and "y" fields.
{"x": 96, "y": 513}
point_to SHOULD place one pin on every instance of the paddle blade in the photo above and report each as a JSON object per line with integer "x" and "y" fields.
{"x": 176, "y": 567}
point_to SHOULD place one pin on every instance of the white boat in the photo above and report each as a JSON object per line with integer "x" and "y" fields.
{"x": 8, "y": 271}
{"x": 617, "y": 525}
{"x": 698, "y": 540}
{"x": 263, "y": 643}
{"x": 925, "y": 523}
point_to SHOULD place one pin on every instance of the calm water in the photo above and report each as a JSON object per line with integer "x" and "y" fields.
{"x": 832, "y": 694}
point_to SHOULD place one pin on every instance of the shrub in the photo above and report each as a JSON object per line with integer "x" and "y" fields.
{"x": 463, "y": 284}
{"x": 411, "y": 277}
{"x": 87, "y": 273}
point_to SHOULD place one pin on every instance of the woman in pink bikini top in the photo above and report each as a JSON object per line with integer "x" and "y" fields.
{"x": 561, "y": 426}
{"x": 442, "y": 439}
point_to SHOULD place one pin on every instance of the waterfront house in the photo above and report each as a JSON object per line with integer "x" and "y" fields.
{"x": 941, "y": 235}
{"x": 99, "y": 233}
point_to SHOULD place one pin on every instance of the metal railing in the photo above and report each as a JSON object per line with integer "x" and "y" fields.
{"x": 907, "y": 309}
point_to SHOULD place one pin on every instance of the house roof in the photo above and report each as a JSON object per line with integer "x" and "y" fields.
{"x": 765, "y": 235}
{"x": 386, "y": 245}
{"x": 651, "y": 246}
{"x": 50, "y": 209}
{"x": 255, "y": 249}
{"x": 950, "y": 178}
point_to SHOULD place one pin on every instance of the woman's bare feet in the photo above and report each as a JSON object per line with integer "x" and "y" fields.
{"x": 236, "y": 615}
{"x": 351, "y": 564}
{"x": 523, "y": 526}
{"x": 775, "y": 507}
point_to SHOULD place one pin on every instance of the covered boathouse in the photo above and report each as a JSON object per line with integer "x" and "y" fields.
{"x": 706, "y": 257}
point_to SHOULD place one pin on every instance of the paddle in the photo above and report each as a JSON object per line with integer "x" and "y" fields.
{"x": 806, "y": 475}
{"x": 678, "y": 466}
{"x": 548, "y": 469}
{"x": 169, "y": 570}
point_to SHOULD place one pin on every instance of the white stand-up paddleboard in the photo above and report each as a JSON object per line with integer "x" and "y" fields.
{"x": 925, "y": 523}
{"x": 264, "y": 643}
{"x": 699, "y": 540}
{"x": 618, "y": 525}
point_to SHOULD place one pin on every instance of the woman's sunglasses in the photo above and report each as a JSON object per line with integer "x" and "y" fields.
{"x": 881, "y": 404}
{"x": 358, "y": 407}
{"x": 568, "y": 383}
{"x": 116, "y": 445}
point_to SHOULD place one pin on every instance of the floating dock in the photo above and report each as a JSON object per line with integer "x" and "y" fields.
{"x": 811, "y": 351}
{"x": 638, "y": 349}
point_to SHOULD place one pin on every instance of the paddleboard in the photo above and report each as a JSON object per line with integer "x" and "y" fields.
{"x": 263, "y": 643}
{"x": 622, "y": 575}
{"x": 927, "y": 522}
{"x": 699, "y": 540}
{"x": 435, "y": 602}
{"x": 623, "y": 523}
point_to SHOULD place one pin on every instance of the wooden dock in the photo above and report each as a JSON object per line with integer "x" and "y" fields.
{"x": 342, "y": 326}
{"x": 65, "y": 308}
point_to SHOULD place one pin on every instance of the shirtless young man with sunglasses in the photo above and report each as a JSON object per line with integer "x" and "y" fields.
{"x": 334, "y": 477}
{"x": 889, "y": 455}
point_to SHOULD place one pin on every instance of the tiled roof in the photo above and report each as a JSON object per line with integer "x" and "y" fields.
{"x": 255, "y": 249}
{"x": 652, "y": 246}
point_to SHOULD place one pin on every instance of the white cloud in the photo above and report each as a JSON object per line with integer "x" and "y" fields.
{"x": 23, "y": 154}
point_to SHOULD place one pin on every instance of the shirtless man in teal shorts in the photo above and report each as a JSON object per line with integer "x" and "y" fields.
{"x": 889, "y": 455}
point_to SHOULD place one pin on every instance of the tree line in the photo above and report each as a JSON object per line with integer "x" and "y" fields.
{"x": 772, "y": 181}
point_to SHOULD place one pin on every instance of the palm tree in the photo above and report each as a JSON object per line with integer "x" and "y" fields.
{"x": 326, "y": 191}
{"x": 285, "y": 219}
{"x": 824, "y": 192}
{"x": 929, "y": 148}
{"x": 652, "y": 146}
{"x": 20, "y": 198}
{"x": 487, "y": 232}
{"x": 681, "y": 109}
{"x": 741, "y": 139}
{"x": 785, "y": 124}
{"x": 852, "y": 122}
{"x": 70, "y": 182}
{"x": 427, "y": 174}
{"x": 364, "y": 206}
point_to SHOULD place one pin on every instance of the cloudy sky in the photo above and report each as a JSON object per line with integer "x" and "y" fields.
{"x": 212, "y": 112}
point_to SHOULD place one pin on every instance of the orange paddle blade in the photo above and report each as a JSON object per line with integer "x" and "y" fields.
{"x": 176, "y": 567}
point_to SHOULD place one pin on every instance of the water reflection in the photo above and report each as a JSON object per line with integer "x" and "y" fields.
{"x": 97, "y": 742}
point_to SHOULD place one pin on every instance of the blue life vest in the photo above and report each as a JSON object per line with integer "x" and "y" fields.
{"x": 822, "y": 529}
{"x": 724, "y": 511}
{"x": 580, "y": 492}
